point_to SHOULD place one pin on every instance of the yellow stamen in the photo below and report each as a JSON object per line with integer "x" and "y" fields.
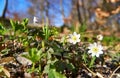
{"x": 74, "y": 38}
{"x": 95, "y": 49}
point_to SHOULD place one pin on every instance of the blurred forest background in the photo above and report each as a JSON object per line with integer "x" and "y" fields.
{"x": 96, "y": 14}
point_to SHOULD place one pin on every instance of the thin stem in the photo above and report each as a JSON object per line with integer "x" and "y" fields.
{"x": 84, "y": 57}
{"x": 92, "y": 61}
{"x": 33, "y": 66}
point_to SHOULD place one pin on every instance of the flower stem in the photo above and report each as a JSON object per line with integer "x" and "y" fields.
{"x": 33, "y": 66}
{"x": 92, "y": 62}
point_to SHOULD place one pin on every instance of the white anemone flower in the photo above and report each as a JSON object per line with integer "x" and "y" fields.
{"x": 95, "y": 49}
{"x": 35, "y": 20}
{"x": 74, "y": 38}
{"x": 100, "y": 37}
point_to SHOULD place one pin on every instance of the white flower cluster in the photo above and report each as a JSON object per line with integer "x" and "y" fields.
{"x": 95, "y": 49}
{"x": 74, "y": 38}
{"x": 100, "y": 37}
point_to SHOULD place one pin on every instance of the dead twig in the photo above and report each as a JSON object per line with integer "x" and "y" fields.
{"x": 114, "y": 71}
{"x": 94, "y": 74}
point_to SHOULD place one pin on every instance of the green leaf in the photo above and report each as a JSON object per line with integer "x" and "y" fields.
{"x": 83, "y": 27}
{"x": 25, "y": 22}
{"x": 1, "y": 68}
{"x": 84, "y": 57}
{"x": 48, "y": 55}
{"x": 34, "y": 55}
{"x": 12, "y": 24}
{"x": 46, "y": 68}
{"x": 70, "y": 66}
{"x": 50, "y": 50}
{"x": 92, "y": 62}
{"x": 54, "y": 74}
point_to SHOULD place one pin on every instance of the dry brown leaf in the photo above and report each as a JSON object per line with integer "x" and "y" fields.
{"x": 116, "y": 10}
{"x": 6, "y": 59}
{"x": 117, "y": 48}
{"x": 7, "y": 73}
{"x": 101, "y": 14}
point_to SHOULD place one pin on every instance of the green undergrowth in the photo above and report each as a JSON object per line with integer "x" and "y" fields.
{"x": 51, "y": 55}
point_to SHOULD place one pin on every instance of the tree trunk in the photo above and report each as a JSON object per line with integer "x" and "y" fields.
{"x": 61, "y": 8}
{"x": 78, "y": 12}
{"x": 5, "y": 9}
{"x": 47, "y": 12}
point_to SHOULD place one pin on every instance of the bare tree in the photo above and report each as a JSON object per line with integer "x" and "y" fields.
{"x": 78, "y": 12}
{"x": 62, "y": 9}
